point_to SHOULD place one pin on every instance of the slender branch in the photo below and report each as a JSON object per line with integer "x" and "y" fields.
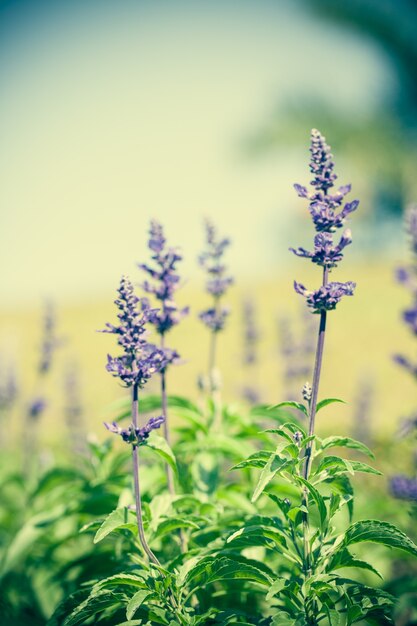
{"x": 135, "y": 458}
{"x": 312, "y": 420}
{"x": 168, "y": 469}
{"x": 316, "y": 379}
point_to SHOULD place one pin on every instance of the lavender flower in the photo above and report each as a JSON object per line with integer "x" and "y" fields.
{"x": 165, "y": 280}
{"x": 251, "y": 333}
{"x": 214, "y": 318}
{"x": 325, "y": 253}
{"x": 327, "y": 296}
{"x": 251, "y": 337}
{"x": 251, "y": 395}
{"x": 218, "y": 283}
{"x": 36, "y": 408}
{"x": 8, "y": 388}
{"x": 140, "y": 359}
{"x": 297, "y": 348}
{"x": 136, "y": 435}
{"x": 327, "y": 214}
{"x": 404, "y": 488}
{"x": 407, "y": 276}
{"x": 50, "y": 340}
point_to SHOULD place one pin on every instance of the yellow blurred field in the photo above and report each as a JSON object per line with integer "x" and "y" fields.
{"x": 363, "y": 333}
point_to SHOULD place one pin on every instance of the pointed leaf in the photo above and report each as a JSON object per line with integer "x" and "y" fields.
{"x": 119, "y": 518}
{"x": 326, "y": 401}
{"x": 161, "y": 447}
{"x": 379, "y": 532}
{"x": 136, "y": 601}
{"x": 346, "y": 442}
{"x": 275, "y": 464}
{"x": 293, "y": 405}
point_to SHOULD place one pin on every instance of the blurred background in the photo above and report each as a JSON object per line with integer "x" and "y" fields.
{"x": 116, "y": 112}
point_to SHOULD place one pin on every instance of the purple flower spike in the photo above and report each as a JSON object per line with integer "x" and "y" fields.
{"x": 404, "y": 488}
{"x": 327, "y": 296}
{"x": 36, "y": 408}
{"x": 325, "y": 208}
{"x": 50, "y": 340}
{"x": 321, "y": 164}
{"x": 140, "y": 359}
{"x": 215, "y": 319}
{"x": 217, "y": 283}
{"x": 136, "y": 436}
{"x": 164, "y": 282}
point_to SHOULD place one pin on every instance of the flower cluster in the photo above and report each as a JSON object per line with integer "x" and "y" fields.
{"x": 136, "y": 436}
{"x": 141, "y": 359}
{"x": 50, "y": 341}
{"x": 328, "y": 213}
{"x": 251, "y": 333}
{"x": 325, "y": 253}
{"x": 404, "y": 488}
{"x": 165, "y": 280}
{"x": 218, "y": 282}
{"x": 36, "y": 408}
{"x": 407, "y": 276}
{"x": 327, "y": 296}
{"x": 8, "y": 388}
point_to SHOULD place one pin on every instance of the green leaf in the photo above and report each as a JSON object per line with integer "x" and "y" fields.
{"x": 171, "y": 524}
{"x": 343, "y": 558}
{"x": 275, "y": 464}
{"x": 282, "y": 619}
{"x": 118, "y": 580}
{"x": 346, "y": 442}
{"x": 161, "y": 447}
{"x": 293, "y": 405}
{"x": 95, "y": 603}
{"x": 326, "y": 401}
{"x": 256, "y": 536}
{"x": 379, "y": 532}
{"x": 358, "y": 466}
{"x": 257, "y": 460}
{"x": 117, "y": 519}
{"x": 136, "y": 601}
{"x": 210, "y": 569}
{"x": 333, "y": 465}
{"x": 275, "y": 588}
{"x": 317, "y": 499}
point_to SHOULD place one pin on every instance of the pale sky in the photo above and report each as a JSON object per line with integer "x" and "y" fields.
{"x": 113, "y": 112}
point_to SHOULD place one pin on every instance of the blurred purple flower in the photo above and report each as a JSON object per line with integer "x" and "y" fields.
{"x": 323, "y": 205}
{"x": 8, "y": 388}
{"x": 215, "y": 319}
{"x": 36, "y": 408}
{"x": 251, "y": 333}
{"x": 140, "y": 359}
{"x": 50, "y": 340}
{"x": 165, "y": 280}
{"x": 404, "y": 488}
{"x": 217, "y": 283}
{"x": 136, "y": 436}
{"x": 327, "y": 296}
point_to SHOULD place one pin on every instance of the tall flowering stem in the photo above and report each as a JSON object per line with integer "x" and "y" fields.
{"x": 404, "y": 487}
{"x": 251, "y": 337}
{"x": 211, "y": 260}
{"x": 329, "y": 213}
{"x": 134, "y": 367}
{"x": 135, "y": 458}
{"x": 163, "y": 281}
